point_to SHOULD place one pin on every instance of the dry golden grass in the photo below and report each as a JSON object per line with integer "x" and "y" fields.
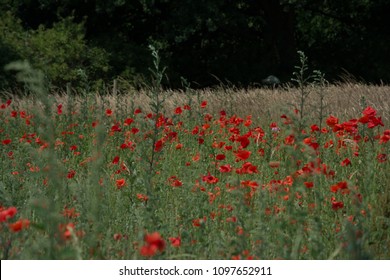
{"x": 344, "y": 100}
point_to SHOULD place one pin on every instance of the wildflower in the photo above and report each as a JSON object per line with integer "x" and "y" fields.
{"x": 158, "y": 145}
{"x": 369, "y": 111}
{"x": 6, "y": 141}
{"x": 19, "y": 225}
{"x": 332, "y": 121}
{"x": 274, "y": 127}
{"x": 70, "y": 213}
{"x": 175, "y": 241}
{"x": 225, "y": 168}
{"x": 7, "y": 213}
{"x": 242, "y": 155}
{"x": 203, "y": 104}
{"x": 154, "y": 242}
{"x": 59, "y": 109}
{"x": 108, "y": 112}
{"x": 244, "y": 141}
{"x": 336, "y": 205}
{"x": 148, "y": 251}
{"x": 115, "y": 160}
{"x": 343, "y": 186}
{"x": 210, "y": 179}
{"x": 178, "y": 111}
{"x": 128, "y": 122}
{"x": 198, "y": 222}
{"x": 174, "y": 181}
{"x": 382, "y": 158}
{"x": 117, "y": 236}
{"x": 120, "y": 183}
{"x": 73, "y": 148}
{"x": 116, "y": 128}
{"x": 346, "y": 162}
{"x": 232, "y": 219}
{"x": 142, "y": 197}
{"x": 220, "y": 157}
{"x": 67, "y": 230}
{"x": 179, "y": 146}
{"x": 71, "y": 174}
{"x": 289, "y": 140}
{"x": 308, "y": 185}
{"x": 314, "y": 127}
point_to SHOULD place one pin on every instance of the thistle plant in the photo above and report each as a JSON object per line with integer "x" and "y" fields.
{"x": 302, "y": 78}
{"x": 157, "y": 99}
{"x": 320, "y": 82}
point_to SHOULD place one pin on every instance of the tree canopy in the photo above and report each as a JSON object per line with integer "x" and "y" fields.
{"x": 206, "y": 42}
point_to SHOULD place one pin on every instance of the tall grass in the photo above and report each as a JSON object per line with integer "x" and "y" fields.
{"x": 213, "y": 174}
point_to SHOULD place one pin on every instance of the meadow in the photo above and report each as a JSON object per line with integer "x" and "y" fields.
{"x": 223, "y": 173}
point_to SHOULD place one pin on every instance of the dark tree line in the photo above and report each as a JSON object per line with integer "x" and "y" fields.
{"x": 204, "y": 41}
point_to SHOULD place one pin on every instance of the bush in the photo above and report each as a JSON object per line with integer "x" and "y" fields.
{"x": 61, "y": 51}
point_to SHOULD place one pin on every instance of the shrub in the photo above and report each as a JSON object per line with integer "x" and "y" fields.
{"x": 61, "y": 51}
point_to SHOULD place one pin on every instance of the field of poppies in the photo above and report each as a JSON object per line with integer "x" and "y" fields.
{"x": 87, "y": 177}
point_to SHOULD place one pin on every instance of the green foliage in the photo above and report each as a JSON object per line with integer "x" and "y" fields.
{"x": 207, "y": 42}
{"x": 60, "y": 51}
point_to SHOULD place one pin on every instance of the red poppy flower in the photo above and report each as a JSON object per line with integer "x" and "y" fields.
{"x": 199, "y": 221}
{"x": 244, "y": 141}
{"x": 19, "y": 225}
{"x": 346, "y": 162}
{"x": 128, "y": 122}
{"x": 336, "y": 205}
{"x": 179, "y": 146}
{"x": 289, "y": 140}
{"x": 71, "y": 174}
{"x": 148, "y": 251}
{"x": 142, "y": 197}
{"x": 116, "y": 128}
{"x": 210, "y": 179}
{"x": 154, "y": 242}
{"x": 158, "y": 145}
{"x": 332, "y": 121}
{"x": 225, "y": 168}
{"x": 108, "y": 112}
{"x": 178, "y": 111}
{"x": 343, "y": 186}
{"x": 120, "y": 183}
{"x": 70, "y": 213}
{"x": 369, "y": 111}
{"x": 220, "y": 157}
{"x": 73, "y": 148}
{"x": 242, "y": 155}
{"x": 203, "y": 104}
{"x": 115, "y": 160}
{"x": 8, "y": 213}
{"x": 309, "y": 185}
{"x": 174, "y": 181}
{"x": 382, "y": 158}
{"x": 6, "y": 141}
{"x": 175, "y": 241}
{"x": 59, "y": 109}
{"x": 314, "y": 127}
{"x": 117, "y": 236}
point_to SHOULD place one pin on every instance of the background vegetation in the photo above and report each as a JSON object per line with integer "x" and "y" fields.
{"x": 206, "y": 42}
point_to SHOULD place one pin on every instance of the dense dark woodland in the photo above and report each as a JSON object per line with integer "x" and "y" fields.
{"x": 204, "y": 41}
